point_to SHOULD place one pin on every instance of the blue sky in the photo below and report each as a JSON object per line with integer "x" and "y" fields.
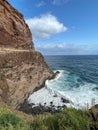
{"x": 62, "y": 27}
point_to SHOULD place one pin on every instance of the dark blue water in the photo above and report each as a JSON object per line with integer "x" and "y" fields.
{"x": 86, "y": 67}
{"x": 79, "y": 77}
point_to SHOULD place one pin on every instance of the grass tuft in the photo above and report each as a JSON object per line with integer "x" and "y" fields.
{"x": 69, "y": 119}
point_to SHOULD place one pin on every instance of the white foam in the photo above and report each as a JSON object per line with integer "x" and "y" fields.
{"x": 45, "y": 97}
{"x": 83, "y": 97}
{"x": 80, "y": 97}
{"x": 59, "y": 75}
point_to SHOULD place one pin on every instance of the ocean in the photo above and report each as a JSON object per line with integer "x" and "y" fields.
{"x": 77, "y": 81}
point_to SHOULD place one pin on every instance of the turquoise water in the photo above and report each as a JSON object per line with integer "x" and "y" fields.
{"x": 78, "y": 78}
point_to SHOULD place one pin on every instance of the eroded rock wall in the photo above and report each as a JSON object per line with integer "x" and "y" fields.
{"x": 14, "y": 32}
{"x": 22, "y": 69}
{"x": 4, "y": 88}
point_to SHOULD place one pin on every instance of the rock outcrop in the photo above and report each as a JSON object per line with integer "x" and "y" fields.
{"x": 22, "y": 69}
{"x": 4, "y": 89}
{"x": 94, "y": 112}
{"x": 14, "y": 32}
{"x": 23, "y": 72}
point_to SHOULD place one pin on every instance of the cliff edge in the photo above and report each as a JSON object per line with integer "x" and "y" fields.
{"x": 22, "y": 69}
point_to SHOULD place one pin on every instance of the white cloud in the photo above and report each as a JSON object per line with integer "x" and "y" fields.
{"x": 67, "y": 49}
{"x": 59, "y": 2}
{"x": 45, "y": 26}
{"x": 41, "y": 3}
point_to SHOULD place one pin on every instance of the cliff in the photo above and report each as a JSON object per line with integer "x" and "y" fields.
{"x": 22, "y": 69}
{"x": 14, "y": 32}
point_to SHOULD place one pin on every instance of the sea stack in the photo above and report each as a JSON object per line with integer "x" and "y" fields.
{"x": 22, "y": 69}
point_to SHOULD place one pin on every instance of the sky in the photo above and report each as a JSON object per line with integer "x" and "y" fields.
{"x": 62, "y": 27}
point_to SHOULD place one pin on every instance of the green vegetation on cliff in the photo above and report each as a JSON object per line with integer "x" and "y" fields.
{"x": 69, "y": 119}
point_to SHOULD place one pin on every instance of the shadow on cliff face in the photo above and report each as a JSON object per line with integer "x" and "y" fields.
{"x": 25, "y": 71}
{"x": 4, "y": 89}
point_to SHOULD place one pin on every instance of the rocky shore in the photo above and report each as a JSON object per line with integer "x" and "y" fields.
{"x": 22, "y": 69}
{"x": 40, "y": 109}
{"x": 31, "y": 108}
{"x": 45, "y": 100}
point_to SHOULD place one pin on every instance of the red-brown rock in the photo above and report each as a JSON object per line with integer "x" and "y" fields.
{"x": 22, "y": 69}
{"x": 14, "y": 32}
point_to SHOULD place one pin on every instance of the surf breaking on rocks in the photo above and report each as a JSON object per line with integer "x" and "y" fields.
{"x": 58, "y": 93}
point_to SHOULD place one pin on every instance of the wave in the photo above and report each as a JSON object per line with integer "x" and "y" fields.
{"x": 79, "y": 92}
{"x": 68, "y": 85}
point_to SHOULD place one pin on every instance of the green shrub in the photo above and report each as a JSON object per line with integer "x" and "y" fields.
{"x": 9, "y": 118}
{"x": 38, "y": 123}
{"x": 52, "y": 123}
{"x": 69, "y": 119}
{"x": 11, "y": 121}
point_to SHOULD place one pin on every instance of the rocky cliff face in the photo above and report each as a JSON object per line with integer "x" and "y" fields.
{"x": 22, "y": 69}
{"x": 4, "y": 89}
{"x": 14, "y": 32}
{"x": 22, "y": 72}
